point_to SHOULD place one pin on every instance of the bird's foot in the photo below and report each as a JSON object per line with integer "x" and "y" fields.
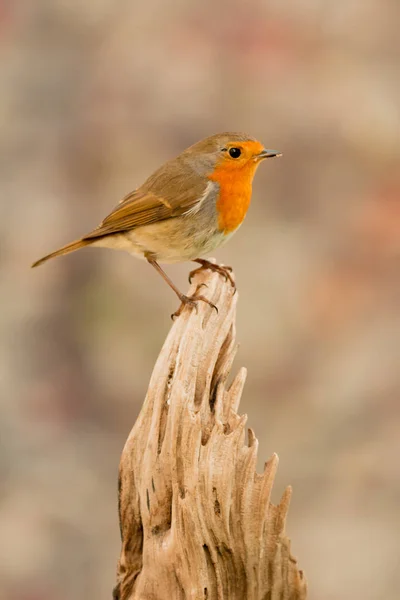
{"x": 192, "y": 301}
{"x": 222, "y": 270}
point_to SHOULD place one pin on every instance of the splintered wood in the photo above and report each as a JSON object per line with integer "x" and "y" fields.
{"x": 196, "y": 519}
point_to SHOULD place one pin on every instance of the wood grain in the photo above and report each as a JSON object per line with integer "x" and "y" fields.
{"x": 196, "y": 519}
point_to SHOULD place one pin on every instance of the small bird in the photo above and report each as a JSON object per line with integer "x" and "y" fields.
{"x": 186, "y": 209}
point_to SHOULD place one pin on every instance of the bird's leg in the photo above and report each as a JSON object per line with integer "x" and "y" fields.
{"x": 185, "y": 300}
{"x": 206, "y": 264}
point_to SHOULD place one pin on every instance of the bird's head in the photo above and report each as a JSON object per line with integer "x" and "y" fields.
{"x": 231, "y": 152}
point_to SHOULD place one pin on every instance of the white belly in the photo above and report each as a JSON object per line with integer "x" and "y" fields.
{"x": 169, "y": 241}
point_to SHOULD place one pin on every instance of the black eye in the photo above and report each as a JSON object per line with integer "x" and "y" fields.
{"x": 235, "y": 152}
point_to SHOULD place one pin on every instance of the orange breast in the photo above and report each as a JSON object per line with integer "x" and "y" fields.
{"x": 234, "y": 194}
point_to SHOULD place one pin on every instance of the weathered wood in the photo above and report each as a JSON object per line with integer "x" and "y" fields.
{"x": 196, "y": 518}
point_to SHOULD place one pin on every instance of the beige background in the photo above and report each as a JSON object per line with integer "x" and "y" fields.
{"x": 93, "y": 97}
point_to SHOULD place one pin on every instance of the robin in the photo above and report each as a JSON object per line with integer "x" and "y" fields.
{"x": 189, "y": 207}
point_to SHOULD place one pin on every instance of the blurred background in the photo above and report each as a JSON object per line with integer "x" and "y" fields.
{"x": 93, "y": 97}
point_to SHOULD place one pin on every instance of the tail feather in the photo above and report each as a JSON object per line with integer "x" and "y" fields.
{"x": 64, "y": 250}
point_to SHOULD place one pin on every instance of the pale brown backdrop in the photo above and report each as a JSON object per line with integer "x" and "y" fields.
{"x": 93, "y": 97}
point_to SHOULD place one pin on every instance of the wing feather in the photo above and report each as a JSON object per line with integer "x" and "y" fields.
{"x": 165, "y": 195}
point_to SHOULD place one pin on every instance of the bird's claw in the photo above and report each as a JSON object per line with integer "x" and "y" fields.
{"x": 193, "y": 301}
{"x": 222, "y": 270}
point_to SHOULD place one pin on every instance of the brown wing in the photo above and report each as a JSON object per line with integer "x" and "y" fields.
{"x": 169, "y": 192}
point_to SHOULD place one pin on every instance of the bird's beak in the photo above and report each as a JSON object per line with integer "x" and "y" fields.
{"x": 267, "y": 154}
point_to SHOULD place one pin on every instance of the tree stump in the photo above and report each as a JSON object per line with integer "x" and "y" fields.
{"x": 196, "y": 519}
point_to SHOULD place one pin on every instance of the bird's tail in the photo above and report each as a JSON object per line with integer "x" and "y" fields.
{"x": 64, "y": 250}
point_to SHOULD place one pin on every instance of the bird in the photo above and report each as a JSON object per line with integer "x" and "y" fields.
{"x": 186, "y": 209}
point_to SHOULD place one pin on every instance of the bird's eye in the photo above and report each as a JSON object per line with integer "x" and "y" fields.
{"x": 235, "y": 152}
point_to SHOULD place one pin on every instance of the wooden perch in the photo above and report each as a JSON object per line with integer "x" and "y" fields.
{"x": 196, "y": 519}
